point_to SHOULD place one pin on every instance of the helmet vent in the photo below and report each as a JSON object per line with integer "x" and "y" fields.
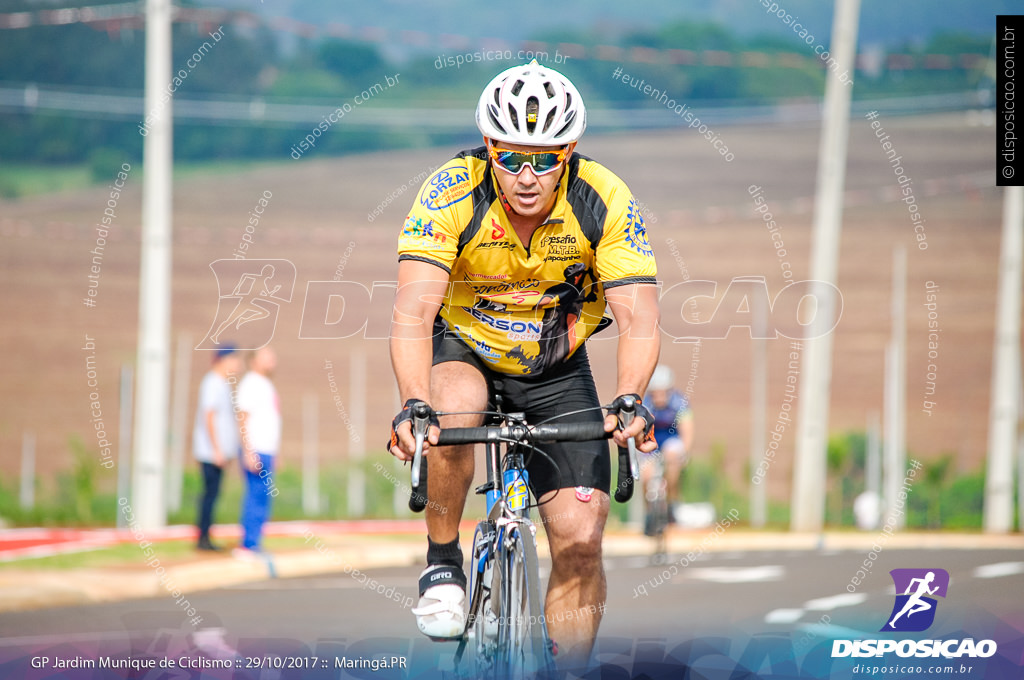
{"x": 550, "y": 119}
{"x": 513, "y": 116}
{"x": 517, "y": 87}
{"x": 532, "y": 108}
{"x": 568, "y": 124}
{"x": 492, "y": 114}
{"x": 549, "y": 89}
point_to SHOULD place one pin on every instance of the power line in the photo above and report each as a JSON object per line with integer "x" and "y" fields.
{"x": 256, "y": 111}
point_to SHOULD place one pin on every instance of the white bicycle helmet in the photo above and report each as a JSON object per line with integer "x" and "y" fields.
{"x": 531, "y": 105}
{"x": 662, "y": 379}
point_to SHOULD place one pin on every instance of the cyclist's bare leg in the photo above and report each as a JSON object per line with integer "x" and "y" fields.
{"x": 577, "y": 589}
{"x": 454, "y": 386}
{"x": 674, "y": 459}
{"x": 646, "y": 473}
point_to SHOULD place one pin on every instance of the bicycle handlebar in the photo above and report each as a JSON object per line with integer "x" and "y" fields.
{"x": 629, "y": 468}
{"x": 420, "y": 425}
{"x": 560, "y": 432}
{"x": 548, "y": 433}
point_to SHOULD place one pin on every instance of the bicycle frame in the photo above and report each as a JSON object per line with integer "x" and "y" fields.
{"x": 504, "y": 543}
{"x": 507, "y": 497}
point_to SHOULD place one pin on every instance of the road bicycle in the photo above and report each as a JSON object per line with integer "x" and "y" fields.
{"x": 506, "y": 627}
{"x": 656, "y": 515}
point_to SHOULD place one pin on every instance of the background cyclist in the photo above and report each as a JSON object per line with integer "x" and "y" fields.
{"x": 673, "y": 430}
{"x": 489, "y": 235}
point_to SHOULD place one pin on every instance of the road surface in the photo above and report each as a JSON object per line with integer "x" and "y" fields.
{"x": 782, "y": 607}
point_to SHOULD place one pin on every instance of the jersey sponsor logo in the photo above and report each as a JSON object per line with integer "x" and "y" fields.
{"x": 498, "y": 231}
{"x": 560, "y": 248}
{"x": 485, "y": 351}
{"x": 485, "y": 290}
{"x": 507, "y": 325}
{"x": 567, "y": 239}
{"x": 416, "y": 228}
{"x": 526, "y": 336}
{"x": 517, "y": 296}
{"x": 445, "y": 188}
{"x": 504, "y": 245}
{"x": 636, "y": 233}
{"x": 489, "y": 277}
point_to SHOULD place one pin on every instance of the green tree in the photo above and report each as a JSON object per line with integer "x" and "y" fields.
{"x": 935, "y": 474}
{"x": 352, "y": 61}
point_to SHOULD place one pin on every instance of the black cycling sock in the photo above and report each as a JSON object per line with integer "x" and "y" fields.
{"x": 444, "y": 553}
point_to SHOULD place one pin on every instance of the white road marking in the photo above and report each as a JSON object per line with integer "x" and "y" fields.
{"x": 784, "y": 616}
{"x": 768, "y": 572}
{"x": 999, "y": 569}
{"x": 835, "y": 601}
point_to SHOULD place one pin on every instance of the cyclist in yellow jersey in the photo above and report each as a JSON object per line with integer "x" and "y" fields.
{"x": 507, "y": 261}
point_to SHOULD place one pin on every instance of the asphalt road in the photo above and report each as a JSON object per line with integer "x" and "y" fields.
{"x": 799, "y": 597}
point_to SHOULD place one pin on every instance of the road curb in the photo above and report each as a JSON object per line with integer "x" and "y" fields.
{"x": 35, "y": 589}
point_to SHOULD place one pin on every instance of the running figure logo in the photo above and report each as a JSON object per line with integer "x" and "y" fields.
{"x": 250, "y": 296}
{"x": 913, "y": 610}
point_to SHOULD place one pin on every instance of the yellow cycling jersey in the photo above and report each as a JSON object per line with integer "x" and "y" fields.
{"x": 526, "y": 307}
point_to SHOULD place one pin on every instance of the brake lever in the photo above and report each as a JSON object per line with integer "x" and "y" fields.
{"x": 626, "y": 415}
{"x": 420, "y": 425}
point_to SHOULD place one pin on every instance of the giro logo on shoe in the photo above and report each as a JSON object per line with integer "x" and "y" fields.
{"x": 441, "y": 574}
{"x": 914, "y": 609}
{"x": 250, "y": 295}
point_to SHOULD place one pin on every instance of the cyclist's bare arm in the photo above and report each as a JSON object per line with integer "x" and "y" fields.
{"x": 421, "y": 288}
{"x": 635, "y": 308}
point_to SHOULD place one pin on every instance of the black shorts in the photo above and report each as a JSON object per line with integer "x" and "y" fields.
{"x": 545, "y": 397}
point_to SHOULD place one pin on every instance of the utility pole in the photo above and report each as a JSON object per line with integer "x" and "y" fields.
{"x": 809, "y": 473}
{"x": 124, "y": 438}
{"x": 1002, "y": 419}
{"x": 150, "y": 444}
{"x": 895, "y": 448}
{"x": 758, "y": 407}
{"x": 873, "y": 464}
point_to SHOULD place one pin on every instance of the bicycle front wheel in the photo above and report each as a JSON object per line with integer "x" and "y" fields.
{"x": 524, "y": 646}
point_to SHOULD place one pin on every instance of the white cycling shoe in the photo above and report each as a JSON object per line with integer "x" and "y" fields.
{"x": 440, "y": 612}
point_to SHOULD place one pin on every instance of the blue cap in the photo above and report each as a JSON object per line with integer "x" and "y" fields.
{"x": 224, "y": 350}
